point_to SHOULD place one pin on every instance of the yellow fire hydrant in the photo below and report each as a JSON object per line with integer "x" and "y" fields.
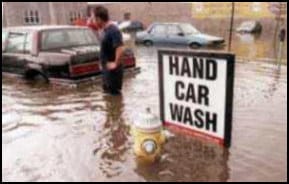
{"x": 148, "y": 137}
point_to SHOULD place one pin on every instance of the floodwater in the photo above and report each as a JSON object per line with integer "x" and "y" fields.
{"x": 63, "y": 134}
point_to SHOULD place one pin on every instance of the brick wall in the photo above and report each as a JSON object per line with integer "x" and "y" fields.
{"x": 14, "y": 12}
{"x": 149, "y": 12}
{"x": 49, "y": 12}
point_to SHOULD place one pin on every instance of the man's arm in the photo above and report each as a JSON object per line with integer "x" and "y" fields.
{"x": 117, "y": 62}
{"x": 118, "y": 55}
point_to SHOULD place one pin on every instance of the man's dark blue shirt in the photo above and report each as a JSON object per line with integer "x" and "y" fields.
{"x": 111, "y": 40}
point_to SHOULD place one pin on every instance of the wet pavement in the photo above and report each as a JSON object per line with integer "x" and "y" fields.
{"x": 62, "y": 134}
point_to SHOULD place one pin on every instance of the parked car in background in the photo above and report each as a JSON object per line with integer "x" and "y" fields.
{"x": 54, "y": 52}
{"x": 182, "y": 34}
{"x": 250, "y": 27}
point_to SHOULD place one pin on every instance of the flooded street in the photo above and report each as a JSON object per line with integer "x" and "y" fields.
{"x": 62, "y": 134}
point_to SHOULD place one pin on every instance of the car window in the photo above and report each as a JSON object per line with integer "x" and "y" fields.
{"x": 53, "y": 38}
{"x": 16, "y": 42}
{"x": 4, "y": 36}
{"x": 189, "y": 29}
{"x": 58, "y": 39}
{"x": 159, "y": 30}
{"x": 173, "y": 30}
{"x": 28, "y": 43}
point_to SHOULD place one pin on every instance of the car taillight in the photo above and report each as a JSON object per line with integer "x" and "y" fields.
{"x": 129, "y": 61}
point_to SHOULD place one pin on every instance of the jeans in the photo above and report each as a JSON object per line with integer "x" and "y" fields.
{"x": 112, "y": 81}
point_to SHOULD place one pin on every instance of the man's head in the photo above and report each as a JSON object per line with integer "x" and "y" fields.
{"x": 101, "y": 16}
{"x": 126, "y": 16}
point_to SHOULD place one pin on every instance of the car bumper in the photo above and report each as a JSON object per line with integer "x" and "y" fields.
{"x": 90, "y": 80}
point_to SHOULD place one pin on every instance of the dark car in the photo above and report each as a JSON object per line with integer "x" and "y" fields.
{"x": 54, "y": 52}
{"x": 177, "y": 34}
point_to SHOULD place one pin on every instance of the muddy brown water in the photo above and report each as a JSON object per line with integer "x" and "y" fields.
{"x": 62, "y": 134}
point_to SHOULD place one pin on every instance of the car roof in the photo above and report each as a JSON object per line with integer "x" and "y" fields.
{"x": 170, "y": 23}
{"x": 42, "y": 28}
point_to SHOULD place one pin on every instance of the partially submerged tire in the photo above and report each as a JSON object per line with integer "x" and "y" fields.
{"x": 148, "y": 43}
{"x": 195, "y": 45}
{"x": 37, "y": 76}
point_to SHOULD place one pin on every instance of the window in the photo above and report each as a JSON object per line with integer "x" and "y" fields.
{"x": 31, "y": 17}
{"x": 189, "y": 29}
{"x": 36, "y": 17}
{"x": 4, "y": 36}
{"x": 174, "y": 30}
{"x": 73, "y": 16}
{"x": 19, "y": 43}
{"x": 159, "y": 30}
{"x": 26, "y": 18}
{"x": 16, "y": 42}
{"x": 67, "y": 38}
{"x": 28, "y": 44}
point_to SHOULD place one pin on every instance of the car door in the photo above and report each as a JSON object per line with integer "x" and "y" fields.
{"x": 16, "y": 50}
{"x": 176, "y": 36}
{"x": 4, "y": 41}
{"x": 158, "y": 34}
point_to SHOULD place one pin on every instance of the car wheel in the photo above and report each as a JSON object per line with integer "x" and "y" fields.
{"x": 36, "y": 76}
{"x": 148, "y": 43}
{"x": 195, "y": 45}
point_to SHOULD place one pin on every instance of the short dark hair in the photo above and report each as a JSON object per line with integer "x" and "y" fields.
{"x": 102, "y": 13}
{"x": 127, "y": 15}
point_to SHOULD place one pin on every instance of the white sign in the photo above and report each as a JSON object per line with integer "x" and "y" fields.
{"x": 196, "y": 90}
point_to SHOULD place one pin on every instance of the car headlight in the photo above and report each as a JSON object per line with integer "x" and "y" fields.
{"x": 149, "y": 146}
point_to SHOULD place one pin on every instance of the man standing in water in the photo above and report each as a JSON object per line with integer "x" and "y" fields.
{"x": 110, "y": 52}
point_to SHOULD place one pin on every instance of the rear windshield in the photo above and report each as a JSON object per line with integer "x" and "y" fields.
{"x": 4, "y": 36}
{"x": 65, "y": 38}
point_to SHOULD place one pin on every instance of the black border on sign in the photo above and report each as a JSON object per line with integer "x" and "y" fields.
{"x": 230, "y": 59}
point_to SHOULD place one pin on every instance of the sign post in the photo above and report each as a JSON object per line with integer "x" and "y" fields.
{"x": 196, "y": 92}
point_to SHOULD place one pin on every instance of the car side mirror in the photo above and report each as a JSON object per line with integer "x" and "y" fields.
{"x": 181, "y": 34}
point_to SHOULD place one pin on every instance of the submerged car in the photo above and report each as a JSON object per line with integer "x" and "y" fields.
{"x": 176, "y": 34}
{"x": 250, "y": 27}
{"x": 54, "y": 52}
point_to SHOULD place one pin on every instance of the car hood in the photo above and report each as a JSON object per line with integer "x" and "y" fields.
{"x": 207, "y": 37}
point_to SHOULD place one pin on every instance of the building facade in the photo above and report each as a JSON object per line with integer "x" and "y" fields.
{"x": 42, "y": 13}
{"x": 252, "y": 10}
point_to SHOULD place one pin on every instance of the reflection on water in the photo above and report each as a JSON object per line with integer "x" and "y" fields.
{"x": 113, "y": 145}
{"x": 58, "y": 134}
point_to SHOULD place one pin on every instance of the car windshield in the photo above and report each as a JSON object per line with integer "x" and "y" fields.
{"x": 189, "y": 29}
{"x": 4, "y": 36}
{"x": 66, "y": 38}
